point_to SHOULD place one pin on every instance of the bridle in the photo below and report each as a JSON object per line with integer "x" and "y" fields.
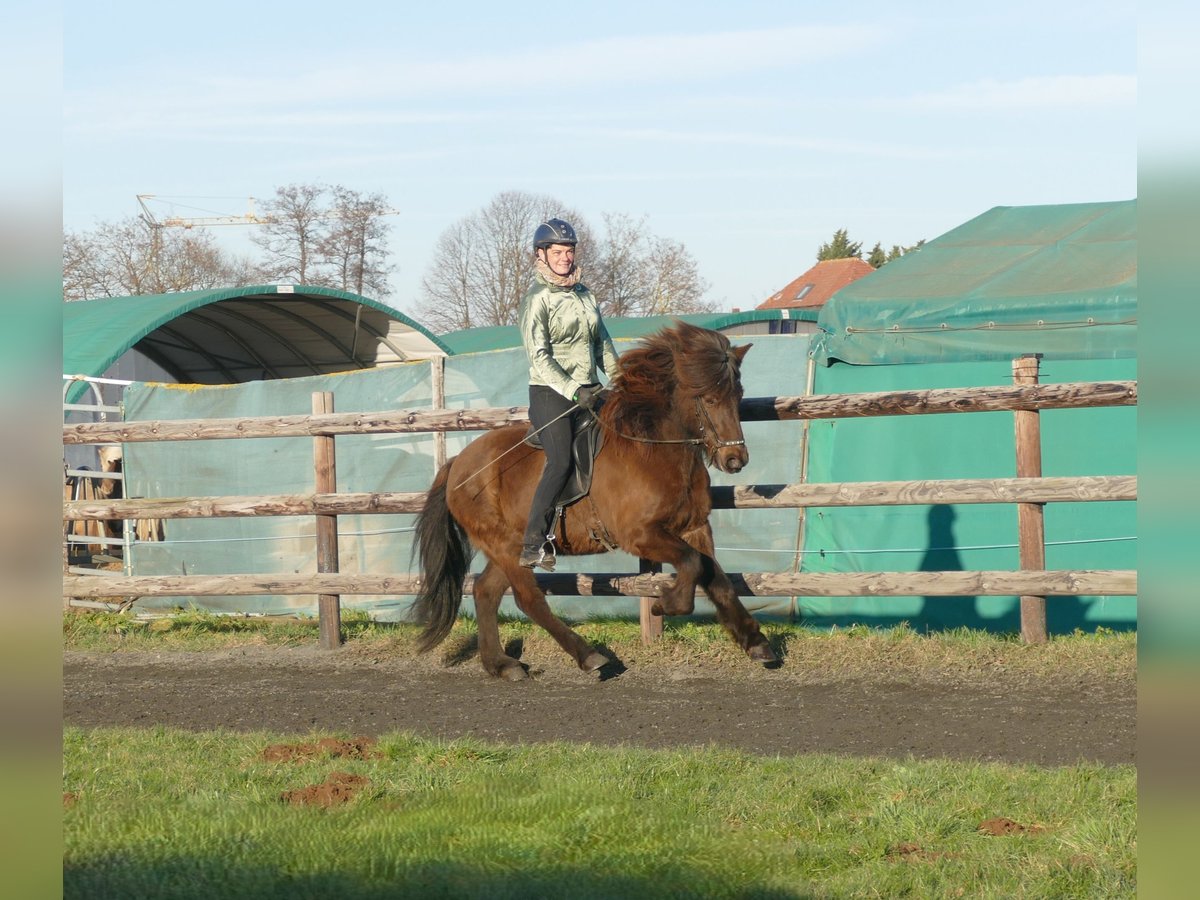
{"x": 703, "y": 418}
{"x": 717, "y": 442}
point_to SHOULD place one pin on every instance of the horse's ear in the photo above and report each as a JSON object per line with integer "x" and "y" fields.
{"x": 740, "y": 352}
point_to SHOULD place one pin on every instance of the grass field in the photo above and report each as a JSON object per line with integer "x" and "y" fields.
{"x": 846, "y": 651}
{"x": 163, "y": 813}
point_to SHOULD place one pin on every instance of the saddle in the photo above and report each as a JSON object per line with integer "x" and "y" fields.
{"x": 585, "y": 444}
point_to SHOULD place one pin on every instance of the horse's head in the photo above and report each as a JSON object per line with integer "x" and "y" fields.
{"x": 721, "y": 423}
{"x": 709, "y": 369}
{"x": 684, "y": 385}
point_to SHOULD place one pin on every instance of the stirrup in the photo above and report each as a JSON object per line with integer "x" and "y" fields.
{"x": 532, "y": 558}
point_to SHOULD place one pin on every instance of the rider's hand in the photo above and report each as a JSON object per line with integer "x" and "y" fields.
{"x": 587, "y": 395}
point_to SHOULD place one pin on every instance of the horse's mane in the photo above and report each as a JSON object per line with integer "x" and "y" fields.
{"x": 676, "y": 364}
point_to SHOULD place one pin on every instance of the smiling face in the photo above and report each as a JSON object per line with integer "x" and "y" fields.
{"x": 559, "y": 257}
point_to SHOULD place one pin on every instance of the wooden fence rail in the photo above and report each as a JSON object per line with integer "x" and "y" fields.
{"x": 326, "y": 503}
{"x": 1115, "y": 582}
{"x": 1080, "y": 489}
{"x": 1070, "y": 395}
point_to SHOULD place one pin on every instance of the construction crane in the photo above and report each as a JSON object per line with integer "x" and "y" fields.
{"x": 148, "y": 216}
{"x": 250, "y": 217}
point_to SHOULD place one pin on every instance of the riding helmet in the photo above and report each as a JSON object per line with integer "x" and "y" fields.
{"x": 554, "y": 231}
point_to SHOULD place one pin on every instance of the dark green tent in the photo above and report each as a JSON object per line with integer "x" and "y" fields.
{"x": 1056, "y": 280}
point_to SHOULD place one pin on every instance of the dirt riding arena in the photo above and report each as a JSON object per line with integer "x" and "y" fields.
{"x": 997, "y": 716}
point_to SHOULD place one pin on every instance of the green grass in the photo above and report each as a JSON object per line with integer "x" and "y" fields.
{"x": 848, "y": 652}
{"x": 165, "y": 813}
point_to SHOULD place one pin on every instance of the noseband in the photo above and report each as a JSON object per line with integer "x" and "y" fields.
{"x": 716, "y": 443}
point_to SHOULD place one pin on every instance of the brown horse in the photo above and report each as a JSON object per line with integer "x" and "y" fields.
{"x": 672, "y": 408}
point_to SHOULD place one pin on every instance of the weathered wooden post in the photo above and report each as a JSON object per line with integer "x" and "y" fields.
{"x": 437, "y": 369}
{"x": 652, "y": 625}
{"x": 1031, "y": 528}
{"x": 325, "y": 465}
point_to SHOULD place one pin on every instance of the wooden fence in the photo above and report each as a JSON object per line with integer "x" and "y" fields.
{"x": 1030, "y": 491}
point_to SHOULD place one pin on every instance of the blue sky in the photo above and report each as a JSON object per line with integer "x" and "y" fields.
{"x": 747, "y": 131}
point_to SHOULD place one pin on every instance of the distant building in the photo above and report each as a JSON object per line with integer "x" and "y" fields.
{"x": 818, "y": 284}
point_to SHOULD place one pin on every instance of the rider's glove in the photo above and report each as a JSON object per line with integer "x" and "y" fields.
{"x": 587, "y": 395}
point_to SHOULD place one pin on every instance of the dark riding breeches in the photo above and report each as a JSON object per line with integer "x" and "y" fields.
{"x": 546, "y": 405}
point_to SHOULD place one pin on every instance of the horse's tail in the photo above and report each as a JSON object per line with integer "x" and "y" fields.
{"x": 446, "y": 554}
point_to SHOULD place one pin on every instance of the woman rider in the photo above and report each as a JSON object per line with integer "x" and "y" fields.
{"x": 566, "y": 341}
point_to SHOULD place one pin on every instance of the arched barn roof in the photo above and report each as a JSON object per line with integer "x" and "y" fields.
{"x": 500, "y": 337}
{"x": 230, "y": 335}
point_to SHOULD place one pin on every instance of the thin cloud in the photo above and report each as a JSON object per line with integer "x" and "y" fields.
{"x": 760, "y": 139}
{"x": 211, "y": 101}
{"x": 640, "y": 59}
{"x": 1046, "y": 92}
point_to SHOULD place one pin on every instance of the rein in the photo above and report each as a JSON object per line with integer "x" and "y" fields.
{"x": 703, "y": 416}
{"x": 516, "y": 445}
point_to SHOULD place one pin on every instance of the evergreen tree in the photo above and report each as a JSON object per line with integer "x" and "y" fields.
{"x": 841, "y": 247}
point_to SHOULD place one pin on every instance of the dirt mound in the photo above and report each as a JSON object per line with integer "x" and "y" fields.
{"x": 1000, "y": 826}
{"x": 356, "y": 748}
{"x": 338, "y": 788}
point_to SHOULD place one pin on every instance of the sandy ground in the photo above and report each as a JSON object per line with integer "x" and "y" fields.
{"x": 1010, "y": 718}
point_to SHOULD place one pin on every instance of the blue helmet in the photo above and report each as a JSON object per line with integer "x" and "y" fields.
{"x": 554, "y": 231}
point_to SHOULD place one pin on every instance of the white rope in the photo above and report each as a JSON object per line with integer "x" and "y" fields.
{"x": 823, "y": 552}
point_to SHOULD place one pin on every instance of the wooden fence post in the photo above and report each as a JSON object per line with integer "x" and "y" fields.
{"x": 1030, "y": 519}
{"x": 437, "y": 370}
{"x": 652, "y": 625}
{"x": 325, "y": 465}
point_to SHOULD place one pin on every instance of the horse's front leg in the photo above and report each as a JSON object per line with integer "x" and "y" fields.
{"x": 732, "y": 615}
{"x": 659, "y": 545}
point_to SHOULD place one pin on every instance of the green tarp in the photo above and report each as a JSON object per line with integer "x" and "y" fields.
{"x": 905, "y": 538}
{"x": 1056, "y": 280}
{"x": 96, "y": 333}
{"x": 499, "y": 337}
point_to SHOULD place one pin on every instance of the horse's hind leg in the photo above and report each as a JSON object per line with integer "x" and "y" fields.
{"x": 533, "y": 603}
{"x": 489, "y": 588}
{"x": 732, "y": 615}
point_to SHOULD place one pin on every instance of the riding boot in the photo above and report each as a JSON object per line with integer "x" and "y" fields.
{"x": 537, "y": 548}
{"x": 543, "y": 556}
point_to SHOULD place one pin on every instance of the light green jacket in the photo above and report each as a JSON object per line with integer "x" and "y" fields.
{"x": 564, "y": 337}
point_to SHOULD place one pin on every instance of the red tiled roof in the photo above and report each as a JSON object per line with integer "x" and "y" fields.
{"x": 823, "y": 281}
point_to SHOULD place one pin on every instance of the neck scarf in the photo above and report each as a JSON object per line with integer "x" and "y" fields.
{"x": 564, "y": 281}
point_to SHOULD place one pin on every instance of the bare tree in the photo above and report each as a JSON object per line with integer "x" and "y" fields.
{"x": 355, "y": 247}
{"x": 677, "y": 288}
{"x": 130, "y": 256}
{"x": 447, "y": 285}
{"x": 639, "y": 274}
{"x": 616, "y": 276}
{"x": 294, "y": 227}
{"x": 483, "y": 264}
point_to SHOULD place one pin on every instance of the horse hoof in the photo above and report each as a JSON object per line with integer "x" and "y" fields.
{"x": 594, "y": 660}
{"x": 514, "y": 673}
{"x": 762, "y": 653}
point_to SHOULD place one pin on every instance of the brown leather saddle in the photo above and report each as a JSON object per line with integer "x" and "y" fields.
{"x": 585, "y": 445}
